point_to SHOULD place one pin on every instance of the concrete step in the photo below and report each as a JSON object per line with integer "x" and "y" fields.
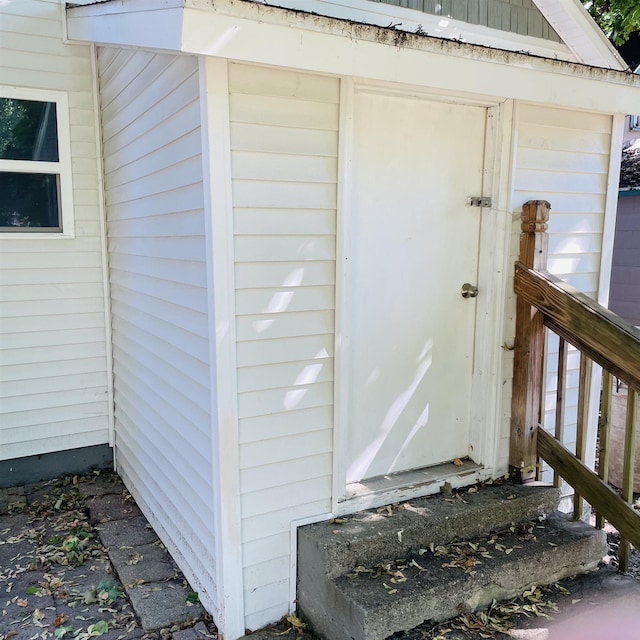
{"x": 368, "y": 537}
{"x": 375, "y": 575}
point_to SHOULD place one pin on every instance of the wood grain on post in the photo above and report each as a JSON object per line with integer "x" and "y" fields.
{"x": 528, "y": 348}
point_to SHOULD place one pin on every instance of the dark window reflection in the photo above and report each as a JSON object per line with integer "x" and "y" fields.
{"x": 28, "y": 130}
{"x": 29, "y": 200}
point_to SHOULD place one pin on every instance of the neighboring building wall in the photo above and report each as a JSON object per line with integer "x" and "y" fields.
{"x": 53, "y": 378}
{"x": 517, "y": 16}
{"x": 156, "y": 232}
{"x": 561, "y": 156}
{"x": 284, "y": 141}
{"x": 624, "y": 298}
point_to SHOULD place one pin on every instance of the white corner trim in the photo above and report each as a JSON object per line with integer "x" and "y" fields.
{"x": 214, "y": 98}
{"x": 63, "y": 20}
{"x": 611, "y": 209}
{"x": 341, "y": 330}
{"x": 495, "y": 238}
{"x": 104, "y": 251}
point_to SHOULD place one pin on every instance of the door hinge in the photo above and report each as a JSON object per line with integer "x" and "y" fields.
{"x": 478, "y": 201}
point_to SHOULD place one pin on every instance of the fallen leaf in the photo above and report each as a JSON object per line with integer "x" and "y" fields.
{"x": 458, "y": 462}
{"x": 296, "y": 622}
{"x": 22, "y": 602}
{"x": 98, "y": 629}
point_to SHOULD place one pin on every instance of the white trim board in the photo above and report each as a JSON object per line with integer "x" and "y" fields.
{"x": 214, "y": 96}
{"x": 104, "y": 251}
{"x": 382, "y": 14}
{"x": 579, "y": 31}
{"x": 583, "y": 41}
{"x": 336, "y": 47}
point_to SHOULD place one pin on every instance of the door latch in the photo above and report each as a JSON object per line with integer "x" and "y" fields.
{"x": 478, "y": 201}
{"x": 468, "y": 291}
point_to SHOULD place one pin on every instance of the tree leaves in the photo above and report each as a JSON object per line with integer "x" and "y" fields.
{"x": 617, "y": 18}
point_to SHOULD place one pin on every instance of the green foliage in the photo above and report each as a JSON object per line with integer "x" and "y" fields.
{"x": 617, "y": 18}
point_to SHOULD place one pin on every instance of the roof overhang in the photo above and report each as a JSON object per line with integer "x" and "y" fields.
{"x": 580, "y": 33}
{"x": 256, "y": 33}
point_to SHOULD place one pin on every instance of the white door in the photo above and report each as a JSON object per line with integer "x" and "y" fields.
{"x": 413, "y": 243}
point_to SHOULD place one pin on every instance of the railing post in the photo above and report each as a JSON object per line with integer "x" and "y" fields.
{"x": 528, "y": 367}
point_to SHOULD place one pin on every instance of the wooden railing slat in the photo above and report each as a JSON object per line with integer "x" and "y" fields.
{"x": 601, "y": 337}
{"x": 584, "y": 387}
{"x": 561, "y": 390}
{"x": 592, "y": 488}
{"x": 606, "y": 339}
{"x": 628, "y": 470}
{"x": 604, "y": 431}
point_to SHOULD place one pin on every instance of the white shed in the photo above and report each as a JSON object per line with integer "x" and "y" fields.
{"x": 296, "y": 198}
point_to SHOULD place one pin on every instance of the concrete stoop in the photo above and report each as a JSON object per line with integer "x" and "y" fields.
{"x": 384, "y": 571}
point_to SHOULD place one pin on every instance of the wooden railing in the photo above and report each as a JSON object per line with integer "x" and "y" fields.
{"x": 545, "y": 303}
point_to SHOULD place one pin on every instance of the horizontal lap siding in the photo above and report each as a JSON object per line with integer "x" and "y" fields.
{"x": 53, "y": 356}
{"x": 284, "y": 142}
{"x": 156, "y": 235}
{"x": 563, "y": 156}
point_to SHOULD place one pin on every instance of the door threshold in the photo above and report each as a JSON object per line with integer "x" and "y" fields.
{"x": 396, "y": 487}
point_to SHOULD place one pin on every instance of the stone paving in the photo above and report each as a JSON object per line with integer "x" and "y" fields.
{"x": 79, "y": 560}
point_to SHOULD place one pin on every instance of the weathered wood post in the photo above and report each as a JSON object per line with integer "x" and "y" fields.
{"x": 528, "y": 366}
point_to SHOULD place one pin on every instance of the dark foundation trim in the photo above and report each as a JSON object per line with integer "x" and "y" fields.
{"x": 51, "y": 465}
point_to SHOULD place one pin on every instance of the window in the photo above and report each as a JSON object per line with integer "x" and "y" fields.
{"x": 35, "y": 167}
{"x": 634, "y": 123}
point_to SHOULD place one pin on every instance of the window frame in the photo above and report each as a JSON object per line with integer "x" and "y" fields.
{"x": 62, "y": 168}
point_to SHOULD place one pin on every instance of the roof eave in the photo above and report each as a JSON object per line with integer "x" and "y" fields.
{"x": 234, "y": 29}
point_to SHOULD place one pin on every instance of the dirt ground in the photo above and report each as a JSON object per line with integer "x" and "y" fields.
{"x": 613, "y": 538}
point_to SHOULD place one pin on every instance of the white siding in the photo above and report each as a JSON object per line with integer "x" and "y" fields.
{"x": 561, "y": 156}
{"x": 53, "y": 355}
{"x": 156, "y": 235}
{"x": 284, "y": 145}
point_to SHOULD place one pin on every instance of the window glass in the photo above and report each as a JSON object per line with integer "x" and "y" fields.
{"x": 29, "y": 200}
{"x": 28, "y": 130}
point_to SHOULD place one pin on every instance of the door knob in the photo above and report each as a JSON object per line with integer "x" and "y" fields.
{"x": 468, "y": 290}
